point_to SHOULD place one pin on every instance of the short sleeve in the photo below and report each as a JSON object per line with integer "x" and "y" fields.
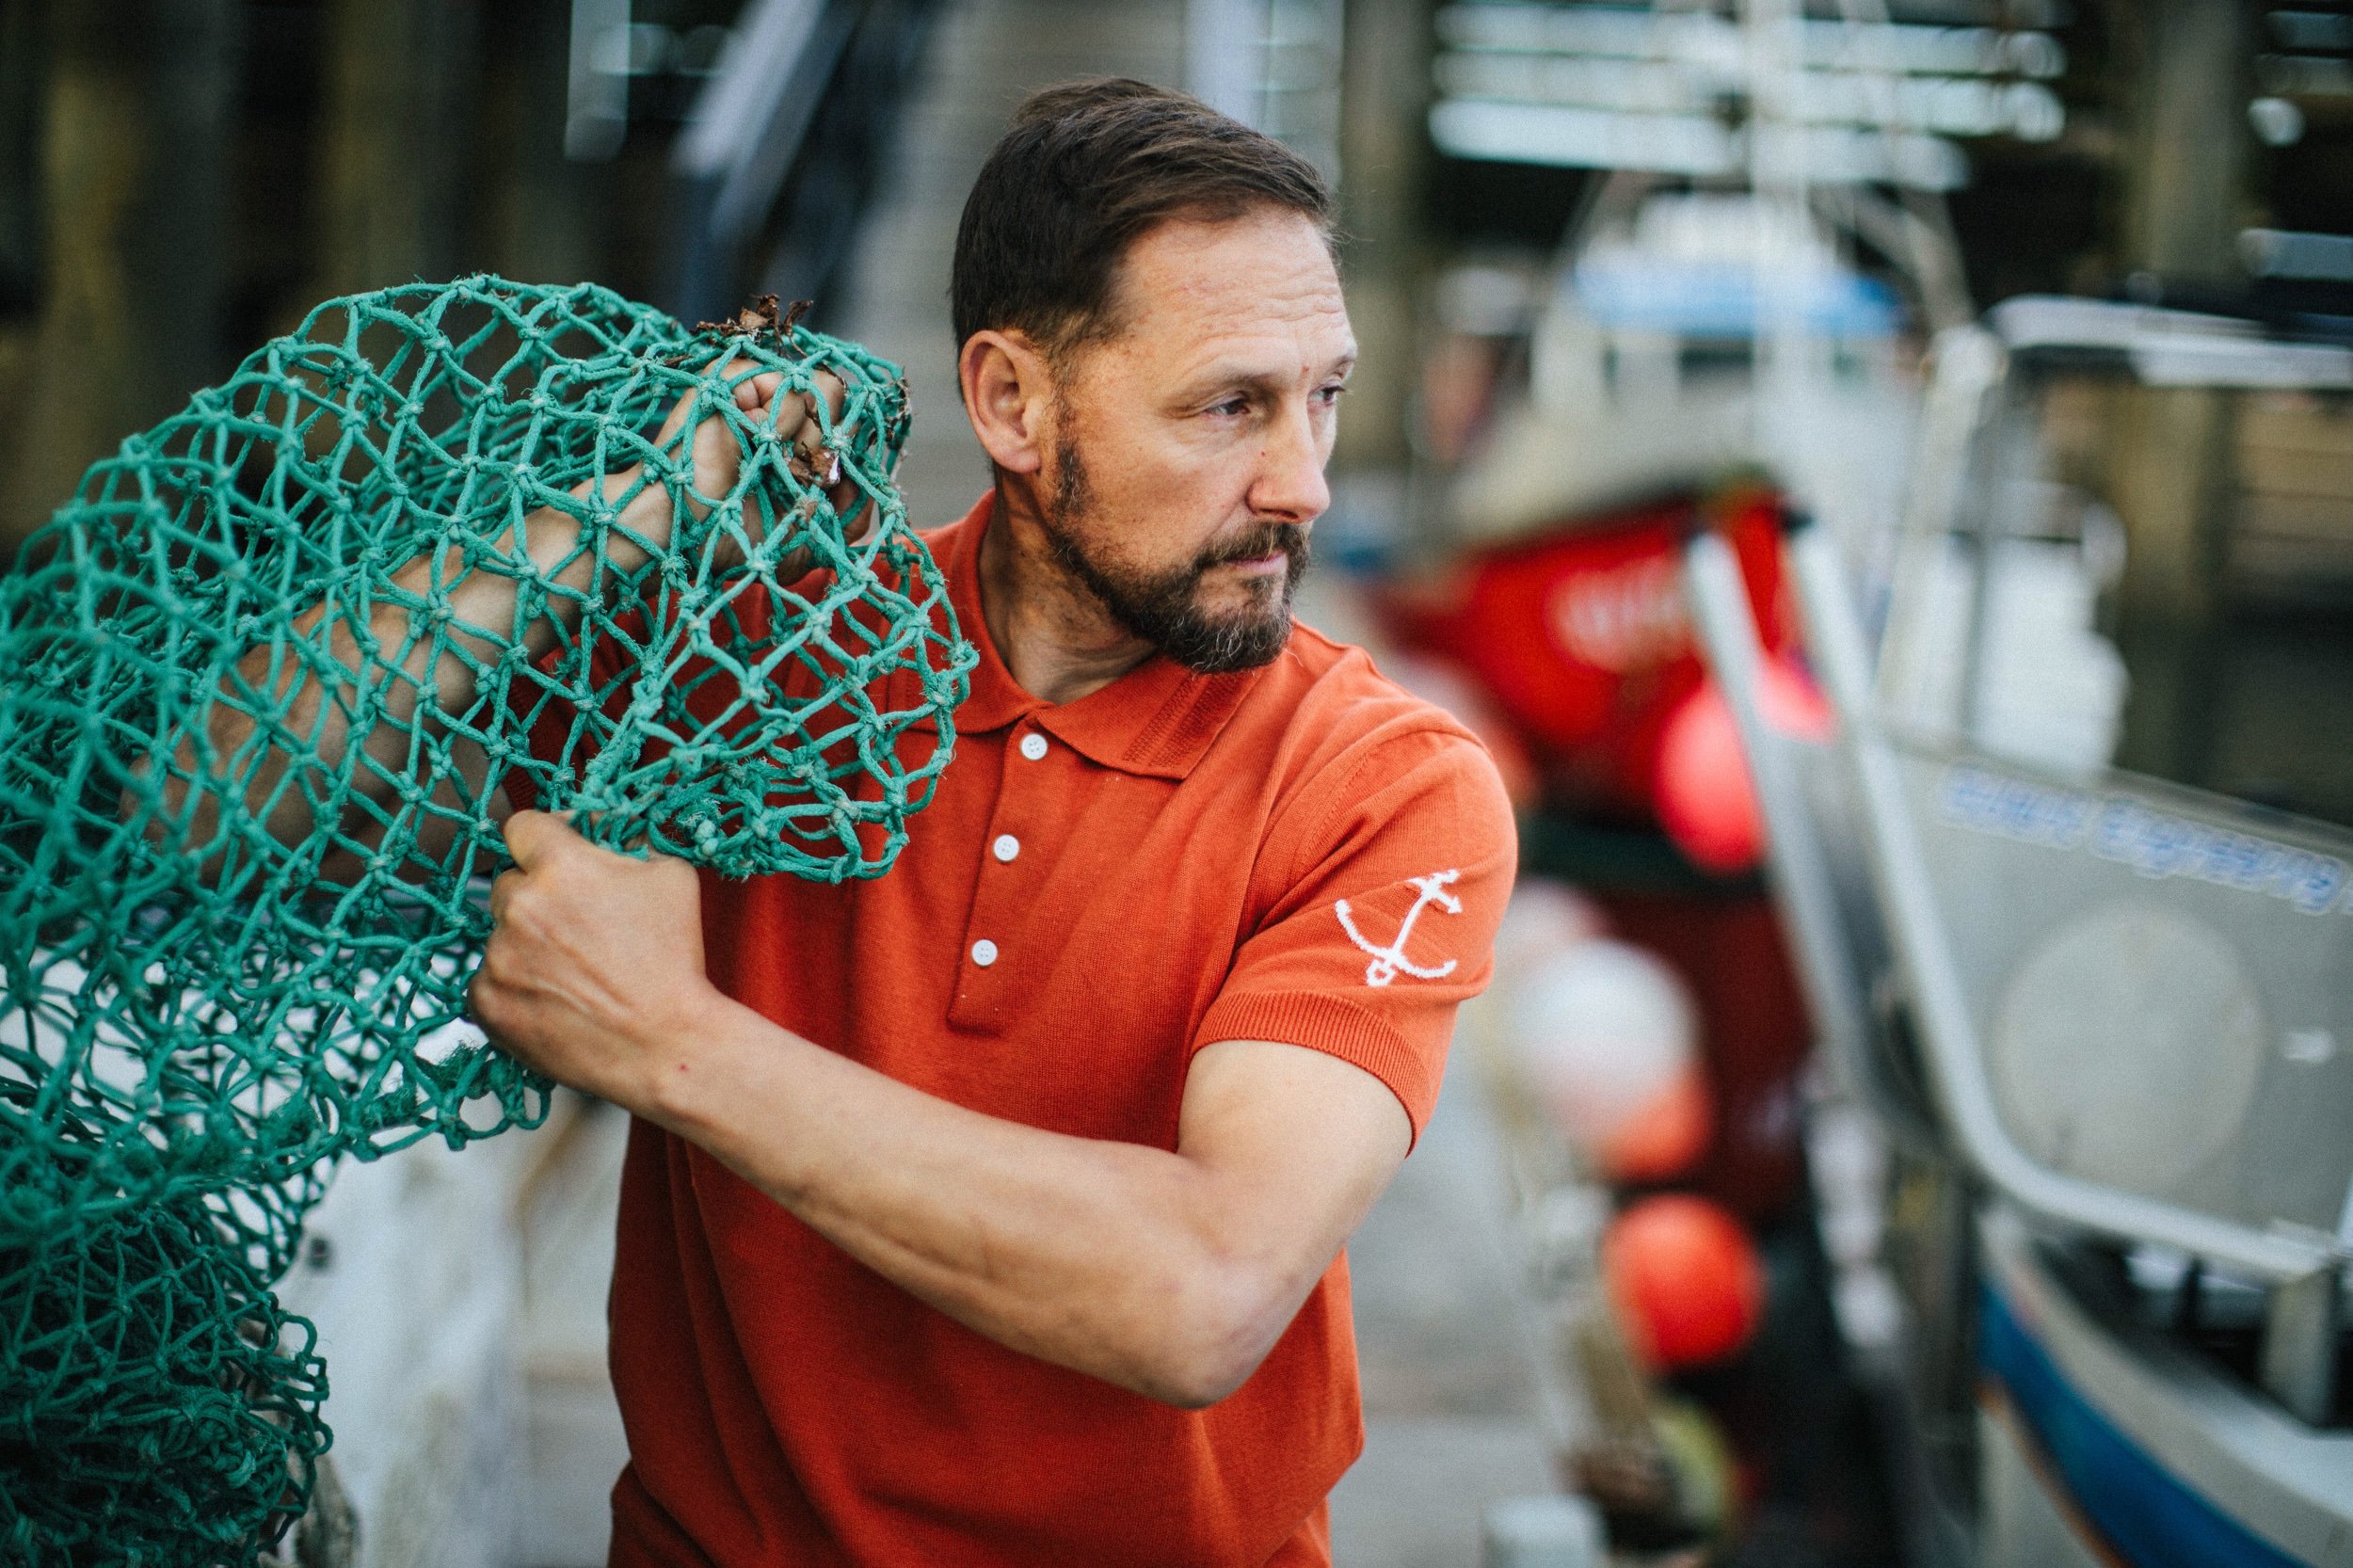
{"x": 1394, "y": 871}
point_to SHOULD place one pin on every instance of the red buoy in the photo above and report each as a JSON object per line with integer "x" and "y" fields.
{"x": 1704, "y": 795}
{"x": 1685, "y": 1279}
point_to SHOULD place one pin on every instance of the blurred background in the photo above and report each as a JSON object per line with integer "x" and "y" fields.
{"x": 1878, "y": 472}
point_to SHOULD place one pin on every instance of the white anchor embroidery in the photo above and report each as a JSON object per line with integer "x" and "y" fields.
{"x": 1389, "y": 962}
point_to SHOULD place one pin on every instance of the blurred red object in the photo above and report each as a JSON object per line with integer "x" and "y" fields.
{"x": 1730, "y": 950}
{"x": 1582, "y": 638}
{"x": 1704, "y": 795}
{"x": 1685, "y": 1278}
{"x": 1672, "y": 1131}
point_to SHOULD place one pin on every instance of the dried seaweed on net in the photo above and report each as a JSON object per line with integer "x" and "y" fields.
{"x": 203, "y": 1009}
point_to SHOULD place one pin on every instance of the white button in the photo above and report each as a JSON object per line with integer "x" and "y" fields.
{"x": 1033, "y": 746}
{"x": 985, "y": 952}
{"x": 1006, "y": 846}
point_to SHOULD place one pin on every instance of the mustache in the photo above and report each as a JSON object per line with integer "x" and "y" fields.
{"x": 1257, "y": 543}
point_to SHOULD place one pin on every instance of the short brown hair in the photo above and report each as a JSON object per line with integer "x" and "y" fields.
{"x": 1085, "y": 171}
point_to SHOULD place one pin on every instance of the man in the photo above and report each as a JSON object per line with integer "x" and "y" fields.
{"x": 991, "y": 1212}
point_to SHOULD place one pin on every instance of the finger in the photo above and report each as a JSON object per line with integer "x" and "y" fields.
{"x": 829, "y": 386}
{"x": 836, "y": 392}
{"x": 504, "y": 888}
{"x": 482, "y": 1000}
{"x": 682, "y": 412}
{"x": 797, "y": 417}
{"x": 850, "y": 504}
{"x": 809, "y": 441}
{"x": 533, "y": 835}
{"x": 755, "y": 392}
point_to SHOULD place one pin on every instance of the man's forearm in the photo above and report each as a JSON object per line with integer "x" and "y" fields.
{"x": 478, "y": 610}
{"x": 429, "y": 678}
{"x": 1168, "y": 1272}
{"x": 1095, "y": 1255}
{"x": 483, "y": 610}
{"x": 1100, "y": 1256}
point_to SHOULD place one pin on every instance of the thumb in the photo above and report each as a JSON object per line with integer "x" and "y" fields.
{"x": 532, "y": 837}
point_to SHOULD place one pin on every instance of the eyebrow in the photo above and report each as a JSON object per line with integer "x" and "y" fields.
{"x": 1260, "y": 381}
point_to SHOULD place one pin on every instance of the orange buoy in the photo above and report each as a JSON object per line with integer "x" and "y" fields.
{"x": 1685, "y": 1278}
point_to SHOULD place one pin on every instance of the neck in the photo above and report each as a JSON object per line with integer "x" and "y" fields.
{"x": 1056, "y": 638}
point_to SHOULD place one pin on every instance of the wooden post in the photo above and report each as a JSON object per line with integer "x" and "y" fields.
{"x": 2186, "y": 76}
{"x": 23, "y": 71}
{"x": 134, "y": 135}
{"x": 394, "y": 140}
{"x": 1385, "y": 94}
{"x": 21, "y": 56}
{"x": 541, "y": 222}
{"x": 2184, "y": 65}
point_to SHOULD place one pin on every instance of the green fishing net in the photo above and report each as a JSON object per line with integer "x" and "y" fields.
{"x": 255, "y": 724}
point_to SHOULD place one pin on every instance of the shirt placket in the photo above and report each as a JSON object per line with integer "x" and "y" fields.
{"x": 995, "y": 961}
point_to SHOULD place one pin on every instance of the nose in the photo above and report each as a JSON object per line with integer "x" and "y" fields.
{"x": 1289, "y": 482}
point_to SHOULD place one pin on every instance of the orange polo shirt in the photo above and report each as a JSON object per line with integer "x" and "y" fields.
{"x": 1300, "y": 853}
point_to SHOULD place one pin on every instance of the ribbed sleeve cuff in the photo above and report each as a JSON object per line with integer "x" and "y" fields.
{"x": 1329, "y": 1025}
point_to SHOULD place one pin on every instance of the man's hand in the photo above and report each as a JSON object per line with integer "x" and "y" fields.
{"x": 713, "y": 449}
{"x": 594, "y": 972}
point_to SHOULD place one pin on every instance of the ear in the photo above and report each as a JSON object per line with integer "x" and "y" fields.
{"x": 1008, "y": 392}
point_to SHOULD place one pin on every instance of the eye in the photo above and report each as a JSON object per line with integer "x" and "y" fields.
{"x": 1331, "y": 394}
{"x": 1235, "y": 406}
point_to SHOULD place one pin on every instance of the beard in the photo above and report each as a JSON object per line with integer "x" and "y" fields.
{"x": 1163, "y": 607}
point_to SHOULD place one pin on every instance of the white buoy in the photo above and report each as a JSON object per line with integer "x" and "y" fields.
{"x": 1608, "y": 1041}
{"x": 1543, "y": 919}
{"x": 1542, "y": 1532}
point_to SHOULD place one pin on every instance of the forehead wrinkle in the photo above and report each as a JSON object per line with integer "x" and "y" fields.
{"x": 1197, "y": 280}
{"x": 1251, "y": 352}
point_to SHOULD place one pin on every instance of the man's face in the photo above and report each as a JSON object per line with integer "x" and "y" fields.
{"x": 1186, "y": 467}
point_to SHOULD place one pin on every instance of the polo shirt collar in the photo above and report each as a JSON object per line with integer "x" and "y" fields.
{"x": 1156, "y": 720}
